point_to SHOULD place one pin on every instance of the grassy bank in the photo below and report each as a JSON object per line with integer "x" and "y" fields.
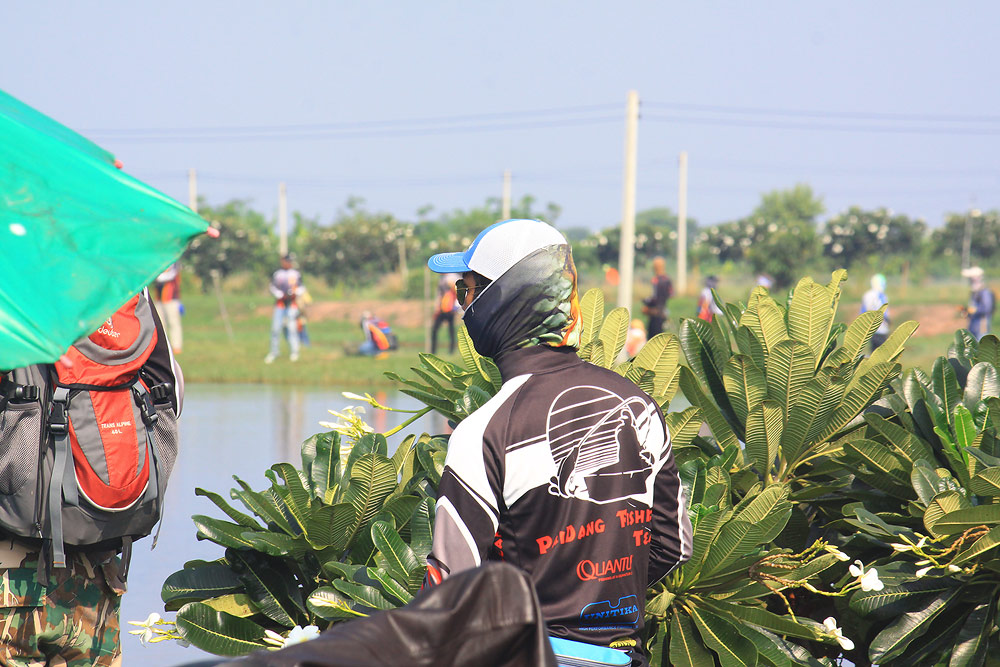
{"x": 211, "y": 355}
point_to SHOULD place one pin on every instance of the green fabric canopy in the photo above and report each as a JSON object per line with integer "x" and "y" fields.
{"x": 78, "y": 237}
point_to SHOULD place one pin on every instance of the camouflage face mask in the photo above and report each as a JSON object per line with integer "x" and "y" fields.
{"x": 533, "y": 303}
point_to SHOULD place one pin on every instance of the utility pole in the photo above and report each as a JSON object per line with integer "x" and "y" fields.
{"x": 282, "y": 219}
{"x": 193, "y": 190}
{"x": 505, "y": 205}
{"x": 682, "y": 225}
{"x": 626, "y": 251}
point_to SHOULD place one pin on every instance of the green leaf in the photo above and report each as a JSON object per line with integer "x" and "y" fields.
{"x": 365, "y": 595}
{"x": 810, "y": 315}
{"x": 217, "y": 632}
{"x": 329, "y": 604}
{"x": 389, "y": 584}
{"x": 892, "y": 601}
{"x": 789, "y": 367}
{"x": 988, "y": 350}
{"x": 983, "y": 381}
{"x": 903, "y": 442}
{"x": 682, "y": 427}
{"x": 235, "y": 515}
{"x": 221, "y": 532}
{"x": 324, "y": 472}
{"x": 816, "y": 402}
{"x": 988, "y": 541}
{"x": 372, "y": 479}
{"x": 400, "y": 560}
{"x": 973, "y": 639}
{"x": 764, "y": 427}
{"x": 888, "y": 472}
{"x": 277, "y": 544}
{"x": 745, "y": 384}
{"x": 592, "y": 315}
{"x": 613, "y": 334}
{"x": 893, "y": 640}
{"x": 961, "y": 520}
{"x": 660, "y": 354}
{"x": 772, "y": 324}
{"x": 894, "y": 345}
{"x": 239, "y": 605}
{"x": 860, "y": 331}
{"x": 198, "y": 583}
{"x": 721, "y": 429}
{"x": 707, "y": 358}
{"x": 720, "y": 635}
{"x": 987, "y": 482}
{"x": 297, "y": 499}
{"x": 686, "y": 649}
{"x": 770, "y": 648}
{"x": 946, "y": 386}
{"x": 270, "y": 584}
{"x": 782, "y": 625}
{"x": 264, "y": 505}
{"x": 867, "y": 388}
{"x": 749, "y": 345}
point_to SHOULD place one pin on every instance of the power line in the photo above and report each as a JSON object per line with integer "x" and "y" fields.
{"x": 781, "y": 125}
{"x": 812, "y": 113}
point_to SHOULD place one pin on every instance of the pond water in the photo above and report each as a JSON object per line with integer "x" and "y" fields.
{"x": 231, "y": 430}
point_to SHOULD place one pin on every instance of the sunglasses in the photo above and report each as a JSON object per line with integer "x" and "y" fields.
{"x": 462, "y": 289}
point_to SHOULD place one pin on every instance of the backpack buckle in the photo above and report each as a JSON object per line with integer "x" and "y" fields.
{"x": 146, "y": 409}
{"x": 58, "y": 420}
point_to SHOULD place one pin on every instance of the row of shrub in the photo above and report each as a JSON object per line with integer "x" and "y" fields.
{"x": 781, "y": 238}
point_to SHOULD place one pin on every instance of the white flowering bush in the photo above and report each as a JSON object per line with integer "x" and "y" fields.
{"x": 858, "y": 235}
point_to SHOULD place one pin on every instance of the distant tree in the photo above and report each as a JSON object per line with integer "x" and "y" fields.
{"x": 859, "y": 235}
{"x": 984, "y": 243}
{"x": 655, "y": 235}
{"x": 456, "y": 229}
{"x": 359, "y": 247}
{"x": 778, "y": 238}
{"x": 247, "y": 243}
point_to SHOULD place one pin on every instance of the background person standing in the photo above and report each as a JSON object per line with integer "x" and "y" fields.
{"x": 982, "y": 302}
{"x": 167, "y": 300}
{"x": 286, "y": 287}
{"x": 655, "y": 306}
{"x": 444, "y": 311}
{"x": 874, "y": 299}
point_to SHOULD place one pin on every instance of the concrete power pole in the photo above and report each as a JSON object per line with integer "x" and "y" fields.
{"x": 505, "y": 205}
{"x": 282, "y": 219}
{"x": 682, "y": 225}
{"x": 193, "y": 190}
{"x": 626, "y": 251}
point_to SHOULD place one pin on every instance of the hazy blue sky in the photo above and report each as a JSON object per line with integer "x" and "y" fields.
{"x": 891, "y": 104}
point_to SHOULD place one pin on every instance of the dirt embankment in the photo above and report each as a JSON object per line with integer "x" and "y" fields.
{"x": 399, "y": 313}
{"x": 934, "y": 319}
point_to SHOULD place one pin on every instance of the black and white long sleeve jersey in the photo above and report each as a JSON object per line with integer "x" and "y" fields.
{"x": 566, "y": 473}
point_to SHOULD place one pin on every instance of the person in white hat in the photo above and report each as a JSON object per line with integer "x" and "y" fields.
{"x": 567, "y": 472}
{"x": 982, "y": 302}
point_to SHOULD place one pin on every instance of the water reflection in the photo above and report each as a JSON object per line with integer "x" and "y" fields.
{"x": 231, "y": 430}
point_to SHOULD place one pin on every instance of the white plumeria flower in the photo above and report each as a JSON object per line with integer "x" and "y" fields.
{"x": 298, "y": 634}
{"x": 869, "y": 578}
{"x": 954, "y": 568}
{"x": 836, "y": 552}
{"x": 831, "y": 625}
{"x": 146, "y": 633}
{"x": 901, "y": 547}
{"x": 924, "y": 570}
{"x": 275, "y": 640}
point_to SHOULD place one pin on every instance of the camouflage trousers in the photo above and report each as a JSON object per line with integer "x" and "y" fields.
{"x": 71, "y": 621}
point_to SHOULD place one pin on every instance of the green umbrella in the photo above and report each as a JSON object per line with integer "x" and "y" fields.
{"x": 78, "y": 237}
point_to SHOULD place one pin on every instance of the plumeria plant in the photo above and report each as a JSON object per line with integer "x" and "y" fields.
{"x": 842, "y": 508}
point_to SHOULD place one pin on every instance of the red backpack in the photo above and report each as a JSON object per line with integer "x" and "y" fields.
{"x": 87, "y": 448}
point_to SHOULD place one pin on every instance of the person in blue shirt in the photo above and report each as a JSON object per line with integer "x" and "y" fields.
{"x": 982, "y": 303}
{"x": 874, "y": 299}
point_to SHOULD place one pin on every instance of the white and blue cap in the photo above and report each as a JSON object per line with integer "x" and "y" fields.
{"x": 499, "y": 247}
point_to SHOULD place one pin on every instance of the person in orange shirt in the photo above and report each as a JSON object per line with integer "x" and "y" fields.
{"x": 444, "y": 311}
{"x": 167, "y": 299}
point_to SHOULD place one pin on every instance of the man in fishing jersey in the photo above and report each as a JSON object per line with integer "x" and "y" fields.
{"x": 567, "y": 472}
